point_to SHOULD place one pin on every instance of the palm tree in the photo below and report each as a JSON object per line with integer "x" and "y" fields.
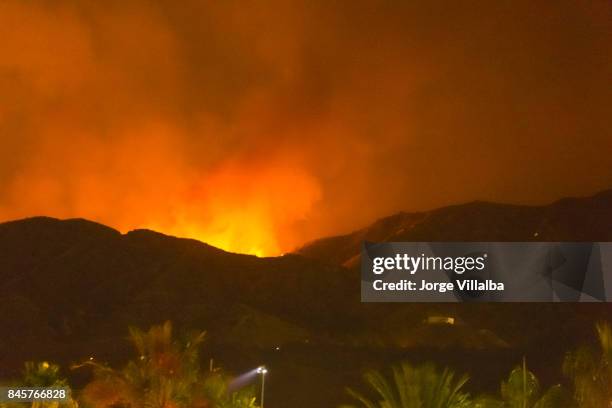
{"x": 47, "y": 375}
{"x": 413, "y": 387}
{"x": 42, "y": 374}
{"x": 216, "y": 389}
{"x": 591, "y": 371}
{"x": 522, "y": 390}
{"x": 165, "y": 374}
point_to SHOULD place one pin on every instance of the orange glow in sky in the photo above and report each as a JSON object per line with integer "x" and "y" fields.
{"x": 259, "y": 126}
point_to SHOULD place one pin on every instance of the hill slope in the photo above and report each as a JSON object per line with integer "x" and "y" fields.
{"x": 570, "y": 219}
{"x": 71, "y": 288}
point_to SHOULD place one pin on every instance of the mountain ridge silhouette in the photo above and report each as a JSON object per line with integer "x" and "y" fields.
{"x": 70, "y": 288}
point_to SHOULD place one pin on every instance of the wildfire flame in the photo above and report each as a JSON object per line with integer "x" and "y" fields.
{"x": 258, "y": 127}
{"x": 241, "y": 206}
{"x": 244, "y": 209}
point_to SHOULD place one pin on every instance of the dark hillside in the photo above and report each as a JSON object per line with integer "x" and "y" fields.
{"x": 71, "y": 288}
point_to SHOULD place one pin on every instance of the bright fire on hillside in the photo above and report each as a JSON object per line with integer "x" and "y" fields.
{"x": 239, "y": 207}
{"x": 244, "y": 210}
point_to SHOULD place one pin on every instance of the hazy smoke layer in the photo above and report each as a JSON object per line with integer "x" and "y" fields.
{"x": 256, "y": 126}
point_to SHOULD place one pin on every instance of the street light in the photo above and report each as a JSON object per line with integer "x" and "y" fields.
{"x": 262, "y": 370}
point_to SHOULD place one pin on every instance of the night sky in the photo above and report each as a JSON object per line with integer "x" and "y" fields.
{"x": 259, "y": 125}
